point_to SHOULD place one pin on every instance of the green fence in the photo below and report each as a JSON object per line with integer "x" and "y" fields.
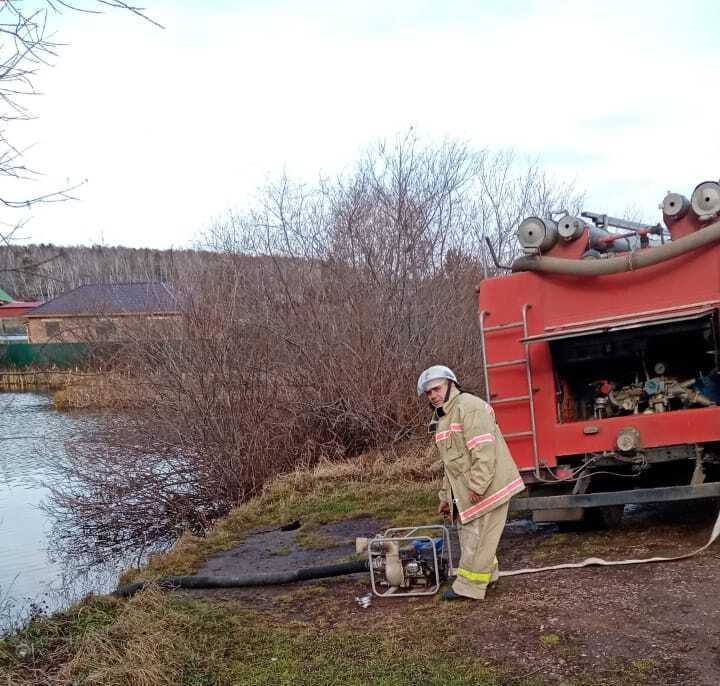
{"x": 42, "y": 355}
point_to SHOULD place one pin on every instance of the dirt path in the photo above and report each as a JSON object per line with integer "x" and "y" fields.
{"x": 655, "y": 623}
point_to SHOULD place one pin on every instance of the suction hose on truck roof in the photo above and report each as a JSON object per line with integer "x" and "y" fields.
{"x": 637, "y": 259}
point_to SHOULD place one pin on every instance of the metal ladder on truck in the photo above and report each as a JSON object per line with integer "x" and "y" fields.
{"x": 525, "y": 361}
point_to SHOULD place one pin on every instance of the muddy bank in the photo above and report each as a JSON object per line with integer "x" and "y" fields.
{"x": 284, "y": 551}
{"x": 656, "y": 623}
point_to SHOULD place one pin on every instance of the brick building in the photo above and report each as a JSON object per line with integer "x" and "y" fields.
{"x": 102, "y": 313}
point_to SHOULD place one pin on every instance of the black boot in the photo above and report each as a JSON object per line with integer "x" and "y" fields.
{"x": 451, "y": 595}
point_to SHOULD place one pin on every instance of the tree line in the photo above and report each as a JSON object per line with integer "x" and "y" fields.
{"x": 44, "y": 271}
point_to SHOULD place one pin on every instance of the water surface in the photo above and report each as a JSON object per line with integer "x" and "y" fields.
{"x": 32, "y": 436}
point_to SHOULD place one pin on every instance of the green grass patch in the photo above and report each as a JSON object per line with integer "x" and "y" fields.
{"x": 643, "y": 666}
{"x": 309, "y": 538}
{"x": 635, "y": 672}
{"x": 282, "y": 550}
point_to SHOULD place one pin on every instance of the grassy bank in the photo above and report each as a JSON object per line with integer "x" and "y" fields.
{"x": 157, "y": 639}
{"x": 398, "y": 489}
{"x": 303, "y": 635}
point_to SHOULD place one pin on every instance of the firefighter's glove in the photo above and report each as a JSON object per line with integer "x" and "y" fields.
{"x": 444, "y": 509}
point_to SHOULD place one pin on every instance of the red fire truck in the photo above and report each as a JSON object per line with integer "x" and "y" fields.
{"x": 602, "y": 354}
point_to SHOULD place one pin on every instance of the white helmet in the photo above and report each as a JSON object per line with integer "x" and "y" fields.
{"x": 434, "y": 373}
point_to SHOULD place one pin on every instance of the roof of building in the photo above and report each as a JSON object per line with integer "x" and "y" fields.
{"x": 106, "y": 299}
{"x": 17, "y": 308}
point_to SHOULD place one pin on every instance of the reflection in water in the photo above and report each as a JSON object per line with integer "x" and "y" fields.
{"x": 32, "y": 435}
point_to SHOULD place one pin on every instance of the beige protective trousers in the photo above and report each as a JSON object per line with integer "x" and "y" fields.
{"x": 478, "y": 544}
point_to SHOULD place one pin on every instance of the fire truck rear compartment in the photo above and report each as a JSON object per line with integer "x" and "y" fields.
{"x": 629, "y": 372}
{"x": 641, "y": 370}
{"x": 617, "y": 358}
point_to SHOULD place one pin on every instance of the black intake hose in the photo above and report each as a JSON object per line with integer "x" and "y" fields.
{"x": 262, "y": 579}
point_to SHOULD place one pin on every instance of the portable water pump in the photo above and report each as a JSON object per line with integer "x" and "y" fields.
{"x": 408, "y": 561}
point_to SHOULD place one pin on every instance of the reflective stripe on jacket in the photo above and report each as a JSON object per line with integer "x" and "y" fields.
{"x": 475, "y": 456}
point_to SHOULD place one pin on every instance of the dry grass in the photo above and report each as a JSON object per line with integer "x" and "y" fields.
{"x": 13, "y": 379}
{"x": 142, "y": 647}
{"x": 94, "y": 391}
{"x": 412, "y": 461}
{"x": 159, "y": 640}
{"x": 36, "y": 653}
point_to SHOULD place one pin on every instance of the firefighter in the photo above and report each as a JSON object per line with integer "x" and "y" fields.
{"x": 479, "y": 480}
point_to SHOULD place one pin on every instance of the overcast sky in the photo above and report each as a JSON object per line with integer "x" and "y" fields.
{"x": 173, "y": 127}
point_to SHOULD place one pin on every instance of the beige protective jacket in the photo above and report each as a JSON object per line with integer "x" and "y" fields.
{"x": 475, "y": 456}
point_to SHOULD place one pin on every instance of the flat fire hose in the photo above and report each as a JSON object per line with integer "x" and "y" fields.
{"x": 596, "y": 561}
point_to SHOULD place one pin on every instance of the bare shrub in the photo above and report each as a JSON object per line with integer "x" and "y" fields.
{"x": 302, "y": 342}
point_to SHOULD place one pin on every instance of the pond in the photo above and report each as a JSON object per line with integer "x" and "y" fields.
{"x": 32, "y": 436}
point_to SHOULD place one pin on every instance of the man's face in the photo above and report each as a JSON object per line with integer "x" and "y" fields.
{"x": 436, "y": 392}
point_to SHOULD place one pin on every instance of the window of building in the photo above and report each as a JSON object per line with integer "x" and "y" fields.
{"x": 52, "y": 329}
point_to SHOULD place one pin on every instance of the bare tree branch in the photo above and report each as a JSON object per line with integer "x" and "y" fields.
{"x": 26, "y": 44}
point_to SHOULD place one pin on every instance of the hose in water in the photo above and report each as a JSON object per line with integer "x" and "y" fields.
{"x": 262, "y": 579}
{"x": 637, "y": 259}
